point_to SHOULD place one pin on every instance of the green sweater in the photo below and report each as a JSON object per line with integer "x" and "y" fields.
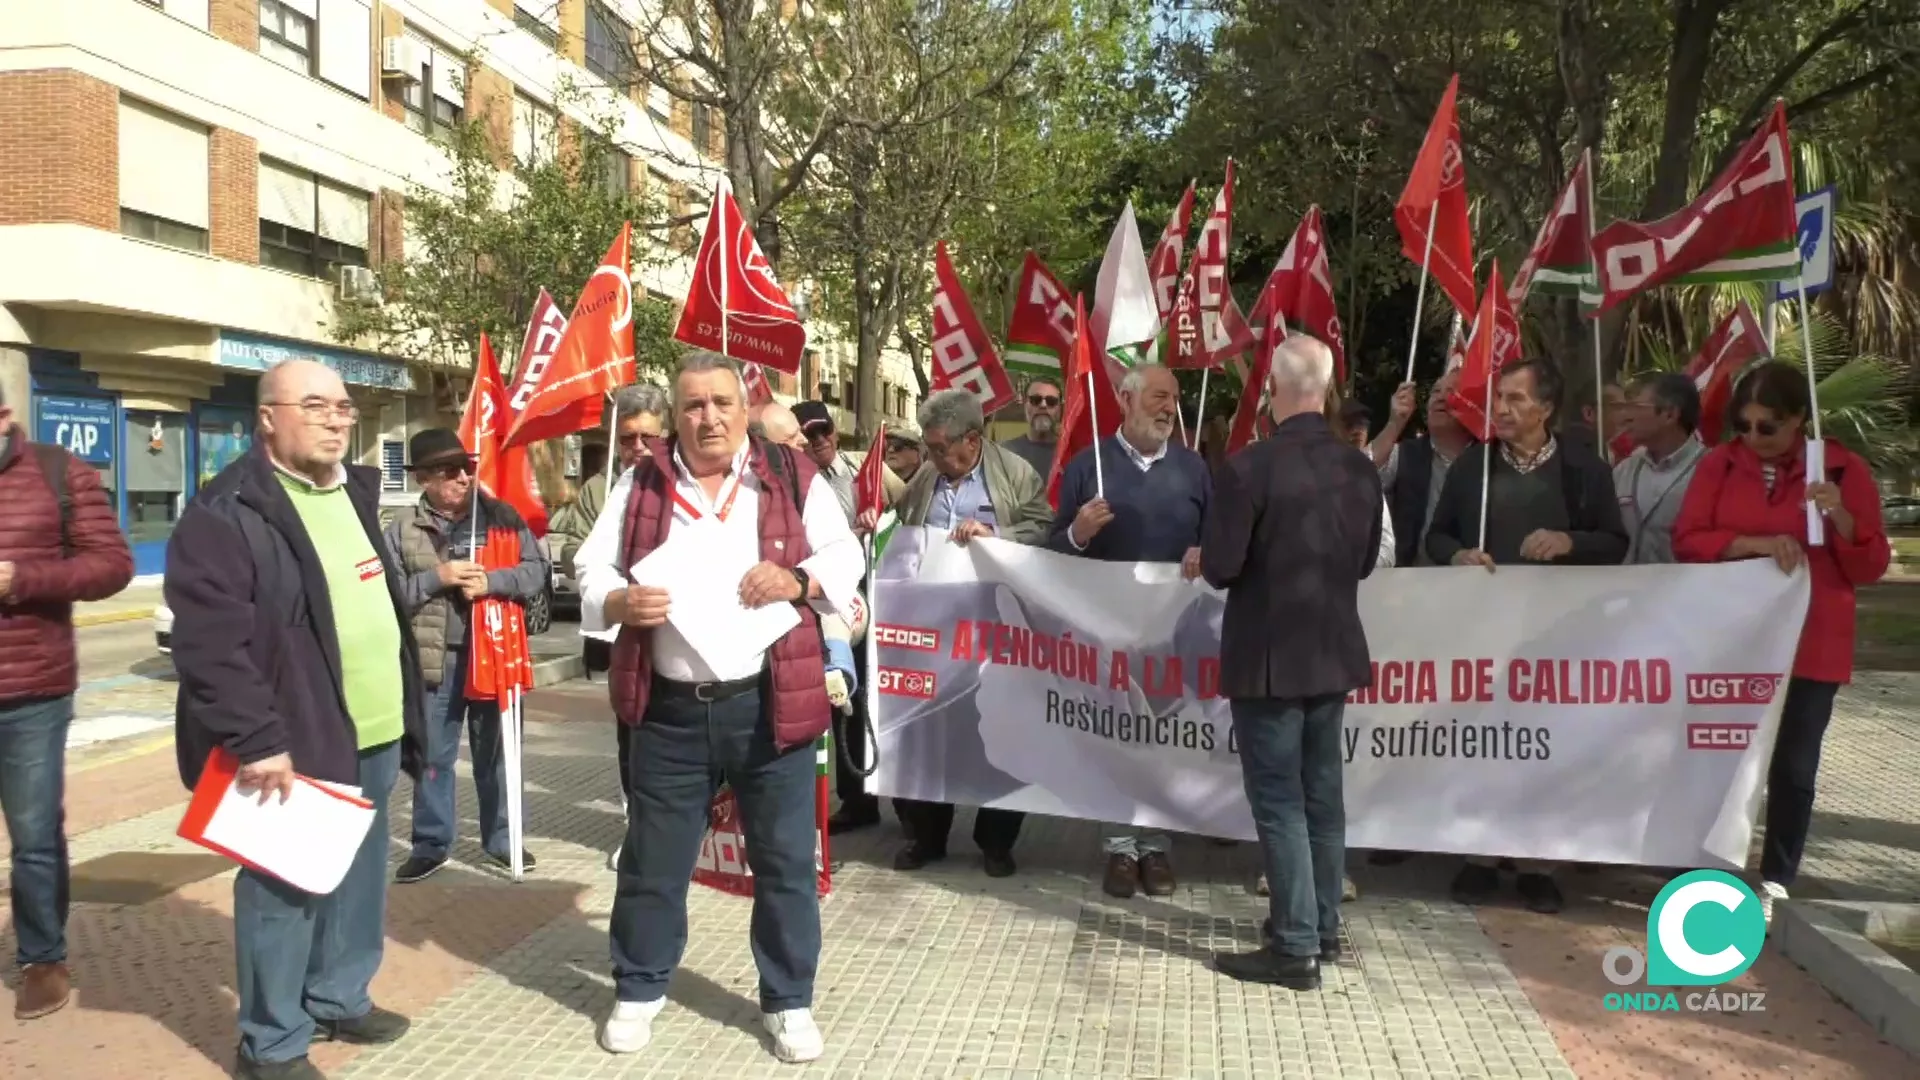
{"x": 365, "y": 625}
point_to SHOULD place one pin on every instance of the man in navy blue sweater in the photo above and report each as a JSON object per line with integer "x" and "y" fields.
{"x": 1155, "y": 498}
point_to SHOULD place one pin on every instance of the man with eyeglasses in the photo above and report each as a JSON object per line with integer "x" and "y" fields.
{"x": 1043, "y": 428}
{"x": 1660, "y": 414}
{"x": 434, "y": 543}
{"x": 296, "y": 657}
{"x": 975, "y": 488}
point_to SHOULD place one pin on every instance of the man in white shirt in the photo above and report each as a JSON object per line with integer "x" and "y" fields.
{"x": 751, "y": 718}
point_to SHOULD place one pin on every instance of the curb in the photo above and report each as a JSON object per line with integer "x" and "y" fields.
{"x": 552, "y": 670}
{"x": 103, "y": 618}
{"x": 1829, "y": 940}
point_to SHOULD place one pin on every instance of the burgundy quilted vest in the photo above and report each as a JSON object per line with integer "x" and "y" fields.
{"x": 801, "y": 713}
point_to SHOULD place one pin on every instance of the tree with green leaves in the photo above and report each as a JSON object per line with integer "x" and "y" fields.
{"x": 480, "y": 249}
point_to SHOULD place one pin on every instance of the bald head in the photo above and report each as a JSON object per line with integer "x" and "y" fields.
{"x": 779, "y": 425}
{"x": 305, "y": 418}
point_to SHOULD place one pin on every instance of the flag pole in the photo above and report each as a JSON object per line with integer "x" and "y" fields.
{"x": 1420, "y": 293}
{"x": 1200, "y": 413}
{"x": 1599, "y": 360}
{"x": 1093, "y": 419}
{"x": 720, "y": 256}
{"x": 1486, "y": 455}
{"x": 516, "y": 802}
{"x": 613, "y": 453}
{"x": 1816, "y": 463}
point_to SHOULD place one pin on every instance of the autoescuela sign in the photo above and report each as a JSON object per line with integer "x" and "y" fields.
{"x": 253, "y": 353}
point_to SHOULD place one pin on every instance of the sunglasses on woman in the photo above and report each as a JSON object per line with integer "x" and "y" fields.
{"x": 1766, "y": 429}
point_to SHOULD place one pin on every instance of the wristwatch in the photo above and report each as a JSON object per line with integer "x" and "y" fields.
{"x": 806, "y": 581}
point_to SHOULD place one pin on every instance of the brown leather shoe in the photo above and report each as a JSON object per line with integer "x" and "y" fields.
{"x": 44, "y": 989}
{"x": 1156, "y": 874}
{"x": 1123, "y": 876}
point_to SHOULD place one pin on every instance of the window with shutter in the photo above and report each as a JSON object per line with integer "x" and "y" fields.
{"x": 309, "y": 225}
{"x": 163, "y": 177}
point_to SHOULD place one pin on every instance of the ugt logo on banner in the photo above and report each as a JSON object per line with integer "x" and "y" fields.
{"x": 1704, "y": 929}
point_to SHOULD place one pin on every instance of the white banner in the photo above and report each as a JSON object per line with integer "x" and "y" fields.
{"x": 1612, "y": 715}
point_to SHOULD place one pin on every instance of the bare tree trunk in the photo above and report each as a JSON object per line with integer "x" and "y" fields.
{"x": 1695, "y": 22}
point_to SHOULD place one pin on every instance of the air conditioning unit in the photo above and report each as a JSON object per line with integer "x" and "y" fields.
{"x": 358, "y": 283}
{"x": 399, "y": 58}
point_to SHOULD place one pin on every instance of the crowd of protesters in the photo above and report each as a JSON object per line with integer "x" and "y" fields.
{"x": 282, "y": 553}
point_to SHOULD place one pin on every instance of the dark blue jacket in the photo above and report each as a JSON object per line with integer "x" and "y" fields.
{"x": 253, "y": 633}
{"x": 1157, "y": 514}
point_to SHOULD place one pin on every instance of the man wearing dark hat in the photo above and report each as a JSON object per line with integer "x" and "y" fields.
{"x": 823, "y": 446}
{"x": 433, "y": 545}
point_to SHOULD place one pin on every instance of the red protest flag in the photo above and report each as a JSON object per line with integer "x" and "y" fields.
{"x": 1302, "y": 285}
{"x": 1040, "y": 328}
{"x": 593, "y": 358}
{"x": 1561, "y": 260}
{"x": 1432, "y": 212}
{"x": 869, "y": 484}
{"x": 1743, "y": 227}
{"x": 734, "y": 288}
{"x": 1206, "y": 328}
{"x": 502, "y": 472}
{"x": 759, "y": 391}
{"x": 544, "y": 332}
{"x": 1494, "y": 343}
{"x": 1734, "y": 344}
{"x": 1163, "y": 266}
{"x": 1269, "y": 329}
{"x": 1092, "y": 408}
{"x": 963, "y": 354}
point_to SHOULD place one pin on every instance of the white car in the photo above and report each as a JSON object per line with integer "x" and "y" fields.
{"x": 163, "y": 628}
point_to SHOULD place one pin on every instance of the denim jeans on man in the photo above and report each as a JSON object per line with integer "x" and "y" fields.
{"x": 1290, "y": 760}
{"x": 33, "y": 770}
{"x": 301, "y": 957}
{"x": 436, "y": 813}
{"x": 680, "y": 753}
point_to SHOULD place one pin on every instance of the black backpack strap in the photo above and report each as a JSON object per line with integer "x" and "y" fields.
{"x": 53, "y": 466}
{"x": 780, "y": 462}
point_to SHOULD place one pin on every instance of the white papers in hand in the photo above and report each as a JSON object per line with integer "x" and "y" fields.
{"x": 308, "y": 841}
{"x": 706, "y": 609}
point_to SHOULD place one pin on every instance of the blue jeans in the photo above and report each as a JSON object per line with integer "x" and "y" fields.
{"x": 301, "y": 957}
{"x": 436, "y": 815}
{"x": 33, "y": 770}
{"x": 1290, "y": 762}
{"x": 680, "y": 753}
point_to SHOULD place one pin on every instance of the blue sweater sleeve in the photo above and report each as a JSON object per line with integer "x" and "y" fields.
{"x": 1073, "y": 496}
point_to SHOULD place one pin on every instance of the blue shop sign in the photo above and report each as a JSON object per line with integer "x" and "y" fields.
{"x": 84, "y": 426}
{"x": 250, "y": 353}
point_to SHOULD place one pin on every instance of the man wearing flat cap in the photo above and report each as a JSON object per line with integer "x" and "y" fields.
{"x": 433, "y": 544}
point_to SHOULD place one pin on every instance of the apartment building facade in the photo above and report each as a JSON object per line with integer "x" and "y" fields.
{"x": 193, "y": 184}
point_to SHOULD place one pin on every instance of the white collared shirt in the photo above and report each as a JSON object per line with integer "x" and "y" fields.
{"x": 836, "y": 560}
{"x": 1141, "y": 461}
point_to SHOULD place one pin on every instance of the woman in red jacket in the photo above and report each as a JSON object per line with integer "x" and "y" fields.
{"x": 1748, "y": 501}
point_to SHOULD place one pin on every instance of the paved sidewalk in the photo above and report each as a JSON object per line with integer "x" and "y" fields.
{"x": 133, "y": 603}
{"x": 946, "y": 973}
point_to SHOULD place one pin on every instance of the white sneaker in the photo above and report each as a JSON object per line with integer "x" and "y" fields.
{"x": 629, "y": 1027}
{"x": 1770, "y": 891}
{"x": 795, "y": 1036}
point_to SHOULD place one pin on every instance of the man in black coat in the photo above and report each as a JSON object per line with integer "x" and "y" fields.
{"x": 1549, "y": 501}
{"x": 1293, "y": 527}
{"x": 296, "y": 658}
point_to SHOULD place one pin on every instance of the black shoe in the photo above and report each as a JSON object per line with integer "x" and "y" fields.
{"x": 916, "y": 855}
{"x": 1329, "y": 948}
{"x": 1388, "y": 858}
{"x": 1541, "y": 894}
{"x": 297, "y": 1069}
{"x": 418, "y": 868}
{"x": 376, "y": 1028}
{"x": 527, "y": 861}
{"x": 999, "y": 863}
{"x": 1270, "y": 968}
{"x": 851, "y": 817}
{"x": 1474, "y": 884}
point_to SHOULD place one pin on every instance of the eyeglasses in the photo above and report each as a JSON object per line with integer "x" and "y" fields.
{"x": 1766, "y": 429}
{"x": 633, "y": 438}
{"x": 1043, "y": 401}
{"x": 318, "y": 411}
{"x": 448, "y": 472}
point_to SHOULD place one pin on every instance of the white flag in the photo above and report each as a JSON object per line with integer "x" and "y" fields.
{"x": 1124, "y": 311}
